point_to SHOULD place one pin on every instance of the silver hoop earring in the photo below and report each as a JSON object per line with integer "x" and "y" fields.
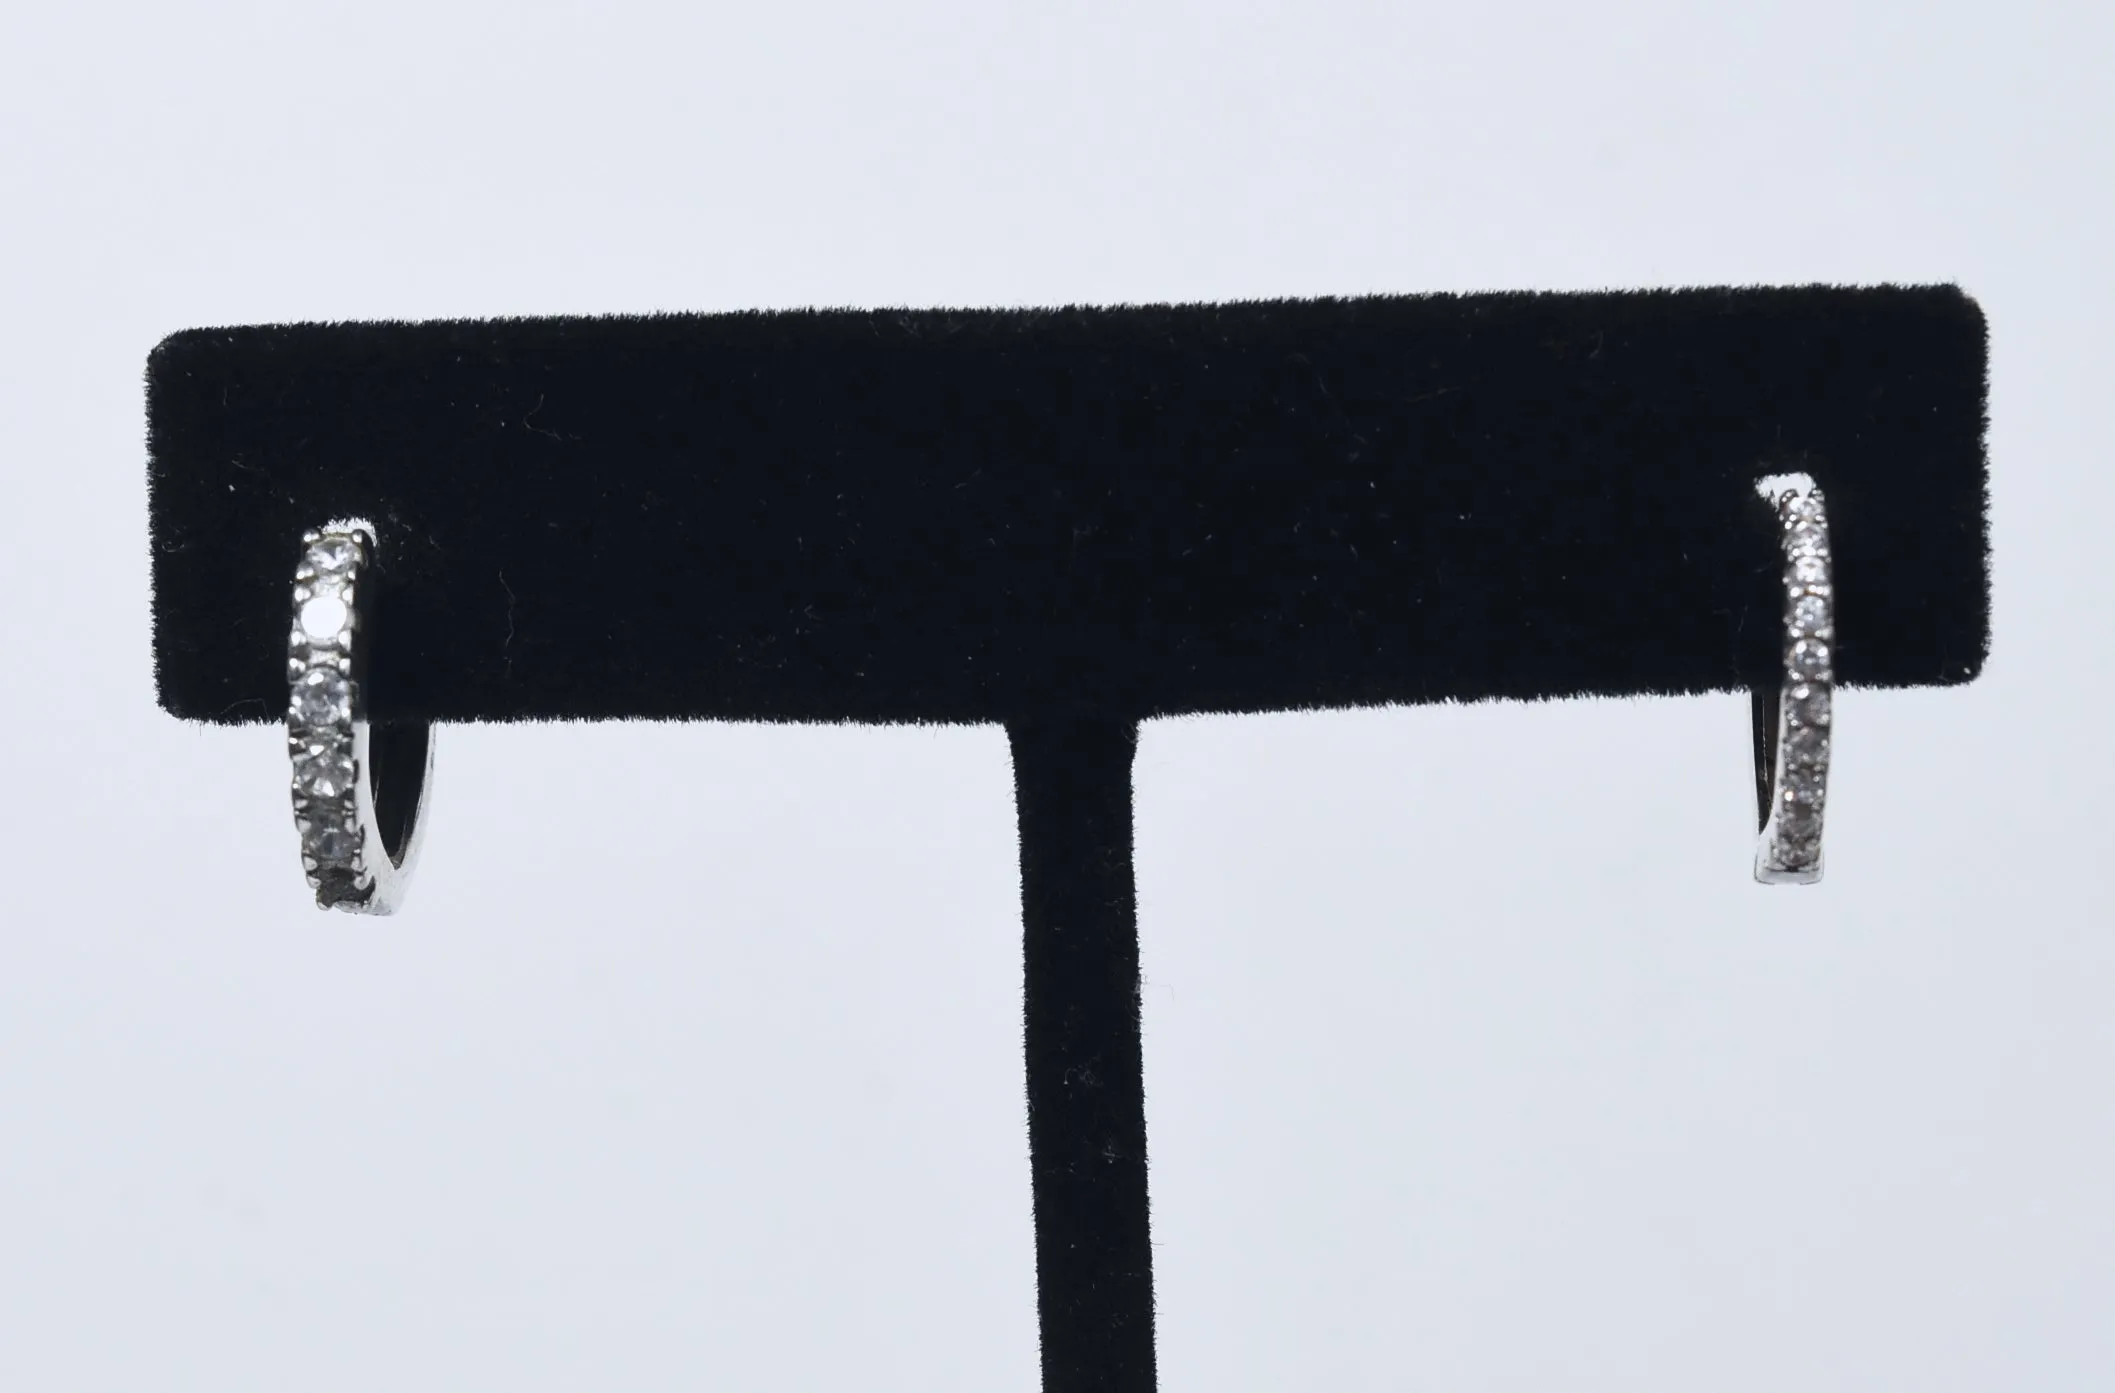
{"x": 359, "y": 794}
{"x": 1794, "y": 721}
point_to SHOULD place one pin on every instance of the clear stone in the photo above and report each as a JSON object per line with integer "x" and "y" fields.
{"x": 1810, "y": 570}
{"x": 331, "y": 843}
{"x": 333, "y": 556}
{"x": 1809, "y": 705}
{"x": 1805, "y": 539}
{"x": 1803, "y": 509}
{"x": 322, "y": 698}
{"x": 325, "y": 774}
{"x": 1803, "y": 789}
{"x": 324, "y": 617}
{"x": 1797, "y": 853}
{"x": 1810, "y": 657}
{"x": 1799, "y": 821}
{"x": 1806, "y": 746}
{"x": 340, "y": 886}
{"x": 1810, "y": 615}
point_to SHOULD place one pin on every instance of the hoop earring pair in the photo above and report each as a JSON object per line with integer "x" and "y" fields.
{"x": 359, "y": 792}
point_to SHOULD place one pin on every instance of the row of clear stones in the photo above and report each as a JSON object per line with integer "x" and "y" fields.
{"x": 319, "y": 717}
{"x": 1810, "y": 679}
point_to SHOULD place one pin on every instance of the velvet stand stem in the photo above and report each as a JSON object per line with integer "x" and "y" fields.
{"x": 1086, "y": 1091}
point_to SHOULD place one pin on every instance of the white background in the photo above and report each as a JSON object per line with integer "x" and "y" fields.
{"x": 1475, "y": 1060}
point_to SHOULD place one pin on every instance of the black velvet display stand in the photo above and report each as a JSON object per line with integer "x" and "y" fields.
{"x": 1071, "y": 521}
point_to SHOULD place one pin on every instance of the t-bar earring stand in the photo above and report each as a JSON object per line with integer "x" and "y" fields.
{"x": 1070, "y": 521}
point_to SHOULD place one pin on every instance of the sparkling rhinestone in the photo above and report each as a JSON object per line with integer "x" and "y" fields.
{"x": 1796, "y": 853}
{"x": 1798, "y": 822}
{"x": 1806, "y": 746}
{"x": 1807, "y": 509}
{"x": 1810, "y": 570}
{"x": 1806, "y": 540}
{"x": 1810, "y": 615}
{"x": 324, "y": 617}
{"x": 341, "y": 886}
{"x": 326, "y": 774}
{"x": 1809, "y": 705}
{"x": 331, "y": 843}
{"x": 333, "y": 556}
{"x": 1803, "y": 788}
{"x": 322, "y": 698}
{"x": 1810, "y": 658}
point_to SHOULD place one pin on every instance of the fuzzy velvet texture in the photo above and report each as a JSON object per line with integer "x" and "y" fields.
{"x": 948, "y": 515}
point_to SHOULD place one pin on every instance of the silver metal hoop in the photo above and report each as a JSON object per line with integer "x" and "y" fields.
{"x": 359, "y": 794}
{"x": 1794, "y": 722}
